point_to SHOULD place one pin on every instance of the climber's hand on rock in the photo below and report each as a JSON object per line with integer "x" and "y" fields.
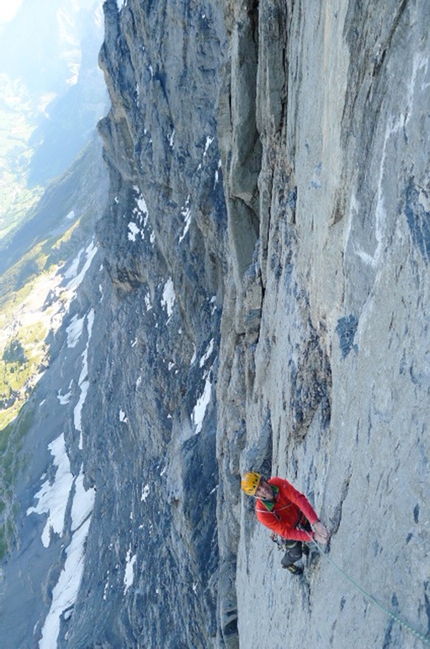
{"x": 321, "y": 534}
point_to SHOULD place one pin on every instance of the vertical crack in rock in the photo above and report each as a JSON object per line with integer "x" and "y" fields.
{"x": 311, "y": 387}
{"x": 240, "y": 143}
{"x": 336, "y": 517}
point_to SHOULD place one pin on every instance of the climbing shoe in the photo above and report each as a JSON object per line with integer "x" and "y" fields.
{"x": 295, "y": 570}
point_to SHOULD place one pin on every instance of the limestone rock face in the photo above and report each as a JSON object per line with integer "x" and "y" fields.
{"x": 258, "y": 299}
{"x": 325, "y": 390}
{"x": 152, "y": 458}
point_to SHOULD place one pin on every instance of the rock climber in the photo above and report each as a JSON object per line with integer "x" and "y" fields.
{"x": 286, "y": 512}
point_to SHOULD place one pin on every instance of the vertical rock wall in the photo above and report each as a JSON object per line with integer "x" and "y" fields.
{"x": 152, "y": 550}
{"x": 323, "y": 373}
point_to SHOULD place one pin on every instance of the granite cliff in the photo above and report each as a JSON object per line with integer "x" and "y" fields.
{"x": 256, "y": 297}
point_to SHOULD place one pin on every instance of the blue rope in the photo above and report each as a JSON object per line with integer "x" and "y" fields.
{"x": 392, "y": 615}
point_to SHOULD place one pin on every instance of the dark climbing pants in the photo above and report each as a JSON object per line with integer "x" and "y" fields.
{"x": 295, "y": 549}
{"x": 293, "y": 552}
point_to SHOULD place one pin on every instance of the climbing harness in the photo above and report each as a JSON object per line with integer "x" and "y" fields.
{"x": 393, "y": 616}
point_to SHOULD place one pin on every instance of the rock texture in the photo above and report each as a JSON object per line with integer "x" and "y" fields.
{"x": 259, "y": 299}
{"x": 326, "y": 390}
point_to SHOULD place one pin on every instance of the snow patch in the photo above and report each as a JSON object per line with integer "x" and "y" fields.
{"x": 134, "y": 231}
{"x": 83, "y": 503}
{"x": 64, "y": 399}
{"x": 106, "y": 588}
{"x": 83, "y": 381}
{"x": 53, "y": 498}
{"x": 148, "y": 304}
{"x": 207, "y": 354}
{"x": 141, "y": 204}
{"x": 140, "y": 213}
{"x": 73, "y": 270}
{"x": 74, "y": 330}
{"x": 169, "y": 297}
{"x": 145, "y": 493}
{"x": 76, "y": 278}
{"x": 66, "y": 590}
{"x": 209, "y": 141}
{"x": 199, "y": 411}
{"x": 217, "y": 174}
{"x": 129, "y": 570}
{"x": 214, "y": 306}
{"x": 186, "y": 213}
{"x": 123, "y": 416}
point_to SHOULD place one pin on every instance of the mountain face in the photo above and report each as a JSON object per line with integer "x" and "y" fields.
{"x": 256, "y": 297}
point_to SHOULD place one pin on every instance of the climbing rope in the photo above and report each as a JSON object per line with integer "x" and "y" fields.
{"x": 370, "y": 597}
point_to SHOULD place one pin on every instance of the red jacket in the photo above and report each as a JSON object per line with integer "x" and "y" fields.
{"x": 291, "y": 508}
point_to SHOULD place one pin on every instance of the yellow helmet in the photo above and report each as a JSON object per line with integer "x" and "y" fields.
{"x": 250, "y": 482}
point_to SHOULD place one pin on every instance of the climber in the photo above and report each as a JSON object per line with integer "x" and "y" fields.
{"x": 288, "y": 513}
